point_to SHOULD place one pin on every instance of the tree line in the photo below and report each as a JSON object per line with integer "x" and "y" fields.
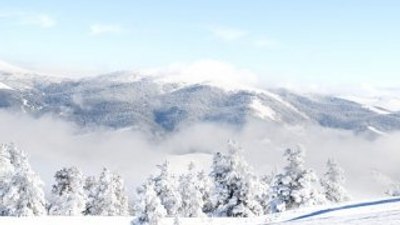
{"x": 230, "y": 189}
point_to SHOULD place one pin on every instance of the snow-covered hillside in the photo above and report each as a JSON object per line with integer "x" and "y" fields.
{"x": 373, "y": 212}
{"x": 161, "y": 104}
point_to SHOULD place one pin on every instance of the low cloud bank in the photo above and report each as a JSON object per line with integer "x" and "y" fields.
{"x": 371, "y": 166}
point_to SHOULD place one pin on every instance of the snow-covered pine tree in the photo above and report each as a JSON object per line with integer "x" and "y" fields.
{"x": 6, "y": 171}
{"x": 192, "y": 198}
{"x": 333, "y": 182}
{"x": 394, "y": 190}
{"x": 296, "y": 186}
{"x": 90, "y": 192}
{"x": 148, "y": 207}
{"x": 68, "y": 197}
{"x": 166, "y": 187}
{"x": 236, "y": 186}
{"x": 21, "y": 190}
{"x": 121, "y": 203}
{"x": 109, "y": 198}
{"x": 205, "y": 186}
{"x": 6, "y": 167}
{"x": 263, "y": 197}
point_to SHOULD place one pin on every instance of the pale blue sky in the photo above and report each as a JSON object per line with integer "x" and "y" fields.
{"x": 339, "y": 41}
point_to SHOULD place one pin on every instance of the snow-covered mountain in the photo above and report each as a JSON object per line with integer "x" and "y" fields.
{"x": 160, "y": 105}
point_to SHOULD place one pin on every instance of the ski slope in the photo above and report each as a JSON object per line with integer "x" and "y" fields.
{"x": 375, "y": 212}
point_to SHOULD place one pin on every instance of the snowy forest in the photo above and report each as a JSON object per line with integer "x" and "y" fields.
{"x": 230, "y": 189}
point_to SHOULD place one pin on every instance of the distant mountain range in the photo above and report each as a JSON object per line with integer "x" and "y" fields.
{"x": 159, "y": 105}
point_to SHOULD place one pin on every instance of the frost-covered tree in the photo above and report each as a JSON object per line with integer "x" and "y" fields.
{"x": 166, "y": 187}
{"x": 394, "y": 190}
{"x": 192, "y": 198}
{"x": 296, "y": 186}
{"x": 121, "y": 203}
{"x": 6, "y": 167}
{"x": 109, "y": 198}
{"x": 21, "y": 190}
{"x": 206, "y": 187}
{"x": 68, "y": 197}
{"x": 90, "y": 192}
{"x": 333, "y": 182}
{"x": 148, "y": 207}
{"x": 263, "y": 196}
{"x": 236, "y": 186}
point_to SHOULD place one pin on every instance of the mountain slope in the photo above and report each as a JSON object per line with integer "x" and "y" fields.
{"x": 158, "y": 105}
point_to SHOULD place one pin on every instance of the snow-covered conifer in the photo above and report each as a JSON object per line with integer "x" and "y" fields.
{"x": 333, "y": 183}
{"x": 148, "y": 207}
{"x": 296, "y": 186}
{"x": 205, "y": 186}
{"x": 166, "y": 187}
{"x": 67, "y": 196}
{"x": 21, "y": 190}
{"x": 90, "y": 192}
{"x": 236, "y": 186}
{"x": 192, "y": 198}
{"x": 109, "y": 198}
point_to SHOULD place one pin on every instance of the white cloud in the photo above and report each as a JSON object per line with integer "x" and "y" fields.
{"x": 207, "y": 71}
{"x": 98, "y": 29}
{"x": 228, "y": 34}
{"x": 30, "y": 19}
{"x": 265, "y": 43}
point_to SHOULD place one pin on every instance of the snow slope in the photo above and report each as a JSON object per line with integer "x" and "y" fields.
{"x": 382, "y": 211}
{"x": 379, "y": 104}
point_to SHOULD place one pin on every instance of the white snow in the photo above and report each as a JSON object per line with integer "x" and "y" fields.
{"x": 381, "y": 105}
{"x": 263, "y": 111}
{"x": 375, "y": 130}
{"x": 5, "y": 87}
{"x": 380, "y": 214}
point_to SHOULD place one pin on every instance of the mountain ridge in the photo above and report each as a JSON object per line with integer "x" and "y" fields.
{"x": 159, "y": 105}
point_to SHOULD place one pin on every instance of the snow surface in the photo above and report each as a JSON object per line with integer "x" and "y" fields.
{"x": 5, "y": 87}
{"x": 373, "y": 129}
{"x": 376, "y": 212}
{"x": 263, "y": 111}
{"x": 381, "y": 105}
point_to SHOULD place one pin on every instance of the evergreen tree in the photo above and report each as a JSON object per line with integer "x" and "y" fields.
{"x": 6, "y": 167}
{"x": 394, "y": 190}
{"x": 236, "y": 186}
{"x": 109, "y": 197}
{"x": 90, "y": 192}
{"x": 205, "y": 186}
{"x": 192, "y": 199}
{"x": 67, "y": 196}
{"x": 121, "y": 203}
{"x": 295, "y": 186}
{"x": 166, "y": 187}
{"x": 21, "y": 190}
{"x": 263, "y": 197}
{"x": 148, "y": 207}
{"x": 333, "y": 183}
